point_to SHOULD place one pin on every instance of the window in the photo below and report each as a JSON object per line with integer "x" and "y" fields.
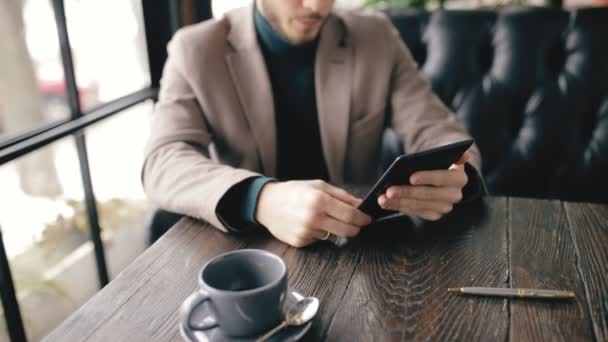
{"x": 46, "y": 236}
{"x": 75, "y": 95}
{"x": 31, "y": 86}
{"x": 108, "y": 48}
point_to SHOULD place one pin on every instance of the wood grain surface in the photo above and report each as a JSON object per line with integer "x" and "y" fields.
{"x": 589, "y": 223}
{"x": 390, "y": 283}
{"x": 399, "y": 290}
{"x": 142, "y": 303}
{"x": 543, "y": 257}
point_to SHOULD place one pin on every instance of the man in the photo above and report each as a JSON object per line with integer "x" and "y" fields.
{"x": 287, "y": 90}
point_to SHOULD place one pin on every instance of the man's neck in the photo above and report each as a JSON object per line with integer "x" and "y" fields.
{"x": 274, "y": 44}
{"x": 273, "y": 22}
{"x": 259, "y": 8}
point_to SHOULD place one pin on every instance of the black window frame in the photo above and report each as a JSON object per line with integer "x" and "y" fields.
{"x": 161, "y": 20}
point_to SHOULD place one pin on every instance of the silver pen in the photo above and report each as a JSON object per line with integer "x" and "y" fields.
{"x": 513, "y": 293}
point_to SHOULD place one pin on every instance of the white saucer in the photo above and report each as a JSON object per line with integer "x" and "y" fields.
{"x": 216, "y": 334}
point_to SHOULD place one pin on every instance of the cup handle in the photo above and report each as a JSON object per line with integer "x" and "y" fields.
{"x": 191, "y": 303}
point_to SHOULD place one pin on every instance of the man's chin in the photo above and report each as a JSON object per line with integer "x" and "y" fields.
{"x": 303, "y": 37}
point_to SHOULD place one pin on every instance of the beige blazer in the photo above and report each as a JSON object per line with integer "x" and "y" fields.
{"x": 214, "y": 121}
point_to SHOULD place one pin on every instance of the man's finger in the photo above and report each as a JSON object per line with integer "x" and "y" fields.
{"x": 455, "y": 178}
{"x": 417, "y": 207}
{"x": 319, "y": 234}
{"x": 346, "y": 213}
{"x": 420, "y": 206}
{"x": 430, "y": 215}
{"x": 425, "y": 192}
{"x": 337, "y": 227}
{"x": 456, "y": 167}
{"x": 464, "y": 158}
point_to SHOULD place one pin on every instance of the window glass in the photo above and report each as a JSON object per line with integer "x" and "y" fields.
{"x": 31, "y": 74}
{"x": 115, "y": 148}
{"x": 46, "y": 235}
{"x": 108, "y": 46}
{"x": 108, "y": 50}
{"x": 45, "y": 224}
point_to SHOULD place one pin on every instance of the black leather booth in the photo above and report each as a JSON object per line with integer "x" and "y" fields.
{"x": 531, "y": 85}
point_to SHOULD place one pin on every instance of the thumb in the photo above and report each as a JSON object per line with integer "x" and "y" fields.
{"x": 463, "y": 158}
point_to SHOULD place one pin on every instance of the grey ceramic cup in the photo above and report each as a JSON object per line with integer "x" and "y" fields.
{"x": 244, "y": 289}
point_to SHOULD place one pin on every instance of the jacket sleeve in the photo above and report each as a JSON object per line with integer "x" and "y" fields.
{"x": 418, "y": 116}
{"x": 178, "y": 173}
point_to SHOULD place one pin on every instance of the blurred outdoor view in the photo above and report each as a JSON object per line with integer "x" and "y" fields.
{"x": 42, "y": 214}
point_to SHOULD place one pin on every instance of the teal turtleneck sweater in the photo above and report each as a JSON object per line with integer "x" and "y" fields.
{"x": 291, "y": 70}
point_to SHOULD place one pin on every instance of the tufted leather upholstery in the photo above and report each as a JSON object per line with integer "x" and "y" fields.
{"x": 531, "y": 85}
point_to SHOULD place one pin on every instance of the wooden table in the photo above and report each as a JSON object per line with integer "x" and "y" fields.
{"x": 390, "y": 284}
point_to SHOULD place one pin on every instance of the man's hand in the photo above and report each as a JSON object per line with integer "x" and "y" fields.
{"x": 432, "y": 193}
{"x": 302, "y": 212}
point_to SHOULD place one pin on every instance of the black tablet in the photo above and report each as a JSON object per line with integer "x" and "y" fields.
{"x": 404, "y": 166}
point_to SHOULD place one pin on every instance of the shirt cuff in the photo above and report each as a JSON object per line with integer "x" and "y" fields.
{"x": 252, "y": 193}
{"x": 237, "y": 207}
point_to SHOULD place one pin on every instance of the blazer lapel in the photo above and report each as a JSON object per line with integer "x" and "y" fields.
{"x": 250, "y": 77}
{"x": 332, "y": 83}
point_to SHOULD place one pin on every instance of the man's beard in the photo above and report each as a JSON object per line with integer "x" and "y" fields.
{"x": 272, "y": 18}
